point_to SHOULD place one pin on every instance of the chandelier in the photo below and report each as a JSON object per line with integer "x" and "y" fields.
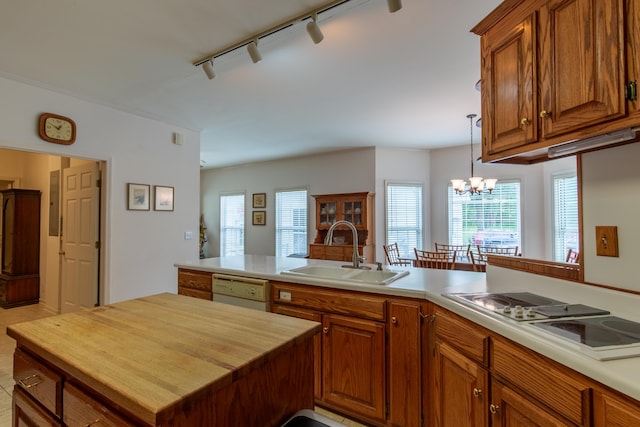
{"x": 476, "y": 184}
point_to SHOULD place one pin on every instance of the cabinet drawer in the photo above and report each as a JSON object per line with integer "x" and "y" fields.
{"x": 462, "y": 334}
{"x": 82, "y": 410}
{"x": 541, "y": 379}
{"x": 39, "y": 381}
{"x": 195, "y": 293}
{"x": 27, "y": 413}
{"x": 194, "y": 280}
{"x": 331, "y": 301}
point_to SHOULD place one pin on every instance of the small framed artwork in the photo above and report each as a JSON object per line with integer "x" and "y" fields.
{"x": 139, "y": 195}
{"x": 163, "y": 198}
{"x": 260, "y": 200}
{"x": 259, "y": 218}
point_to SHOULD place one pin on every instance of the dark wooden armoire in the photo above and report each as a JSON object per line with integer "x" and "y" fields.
{"x": 20, "y": 275}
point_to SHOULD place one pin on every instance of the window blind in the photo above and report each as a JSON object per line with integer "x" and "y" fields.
{"x": 565, "y": 215}
{"x": 232, "y": 224}
{"x": 291, "y": 222}
{"x": 404, "y": 217}
{"x": 486, "y": 219}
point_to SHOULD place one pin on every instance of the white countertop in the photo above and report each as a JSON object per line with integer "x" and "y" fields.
{"x": 622, "y": 374}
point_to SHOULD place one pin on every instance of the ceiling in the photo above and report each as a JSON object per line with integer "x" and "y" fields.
{"x": 404, "y": 79}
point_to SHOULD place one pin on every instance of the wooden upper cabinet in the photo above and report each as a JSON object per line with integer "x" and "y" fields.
{"x": 582, "y": 64}
{"x": 555, "y": 71}
{"x": 509, "y": 102}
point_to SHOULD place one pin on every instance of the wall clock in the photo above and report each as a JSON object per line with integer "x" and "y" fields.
{"x": 57, "y": 129}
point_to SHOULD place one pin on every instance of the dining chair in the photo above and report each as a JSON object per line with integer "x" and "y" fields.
{"x": 461, "y": 250}
{"x": 495, "y": 250}
{"x": 440, "y": 260}
{"x": 393, "y": 255}
{"x": 573, "y": 256}
{"x": 479, "y": 261}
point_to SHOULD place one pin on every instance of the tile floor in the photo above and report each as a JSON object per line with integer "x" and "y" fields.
{"x": 7, "y": 346}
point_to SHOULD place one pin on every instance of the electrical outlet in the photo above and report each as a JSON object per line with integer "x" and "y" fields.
{"x": 188, "y": 235}
{"x": 285, "y": 296}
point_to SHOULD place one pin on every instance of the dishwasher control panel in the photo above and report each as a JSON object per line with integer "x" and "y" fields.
{"x": 240, "y": 287}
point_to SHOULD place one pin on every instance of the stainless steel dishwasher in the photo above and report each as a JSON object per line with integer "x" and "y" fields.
{"x": 241, "y": 291}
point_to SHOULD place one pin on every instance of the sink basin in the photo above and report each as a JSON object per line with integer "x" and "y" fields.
{"x": 341, "y": 274}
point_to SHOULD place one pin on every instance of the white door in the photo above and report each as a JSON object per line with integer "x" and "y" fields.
{"x": 79, "y": 240}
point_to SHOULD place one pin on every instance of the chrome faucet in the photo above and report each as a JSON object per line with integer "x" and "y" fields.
{"x": 328, "y": 240}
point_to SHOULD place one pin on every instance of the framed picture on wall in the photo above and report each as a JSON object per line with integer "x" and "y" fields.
{"x": 163, "y": 198}
{"x": 260, "y": 200}
{"x": 138, "y": 199}
{"x": 259, "y": 218}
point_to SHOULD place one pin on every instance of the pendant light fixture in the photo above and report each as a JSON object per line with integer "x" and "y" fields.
{"x": 314, "y": 29}
{"x": 476, "y": 184}
{"x": 254, "y": 53}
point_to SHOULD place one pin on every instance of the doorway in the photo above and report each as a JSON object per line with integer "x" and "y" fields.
{"x": 67, "y": 283}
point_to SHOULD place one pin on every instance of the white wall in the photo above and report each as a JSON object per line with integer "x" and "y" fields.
{"x": 611, "y": 180}
{"x": 139, "y": 247}
{"x": 338, "y": 172}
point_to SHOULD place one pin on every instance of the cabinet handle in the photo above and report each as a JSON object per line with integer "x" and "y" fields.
{"x": 477, "y": 392}
{"x": 544, "y": 114}
{"x": 92, "y": 423}
{"x": 493, "y": 408}
{"x": 30, "y": 381}
{"x": 524, "y": 122}
{"x": 394, "y": 320}
{"x": 325, "y": 330}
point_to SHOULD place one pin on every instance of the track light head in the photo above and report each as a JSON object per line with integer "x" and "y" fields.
{"x": 394, "y": 5}
{"x": 207, "y": 67}
{"x": 314, "y": 29}
{"x": 254, "y": 53}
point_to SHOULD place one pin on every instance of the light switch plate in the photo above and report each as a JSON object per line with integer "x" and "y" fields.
{"x": 607, "y": 240}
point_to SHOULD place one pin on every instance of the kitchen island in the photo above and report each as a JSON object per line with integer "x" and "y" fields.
{"x": 163, "y": 360}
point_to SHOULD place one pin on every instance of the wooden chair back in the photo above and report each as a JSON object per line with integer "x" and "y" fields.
{"x": 461, "y": 250}
{"x": 573, "y": 256}
{"x": 479, "y": 261}
{"x": 393, "y": 255}
{"x": 495, "y": 250}
{"x": 440, "y": 260}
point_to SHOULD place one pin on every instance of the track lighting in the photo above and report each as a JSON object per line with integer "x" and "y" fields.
{"x": 207, "y": 67}
{"x": 314, "y": 29}
{"x": 254, "y": 53}
{"x": 394, "y": 5}
{"x": 251, "y": 43}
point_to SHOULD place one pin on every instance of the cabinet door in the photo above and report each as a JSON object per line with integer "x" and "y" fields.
{"x": 509, "y": 87}
{"x": 582, "y": 64}
{"x": 508, "y": 408}
{"x": 354, "y": 365}
{"x": 460, "y": 390}
{"x": 317, "y": 342}
{"x": 405, "y": 371}
{"x": 610, "y": 411}
{"x": 28, "y": 413}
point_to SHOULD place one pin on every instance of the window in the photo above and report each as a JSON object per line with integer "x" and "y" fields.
{"x": 565, "y": 215}
{"x": 404, "y": 217}
{"x": 232, "y": 224}
{"x": 486, "y": 219}
{"x": 291, "y": 222}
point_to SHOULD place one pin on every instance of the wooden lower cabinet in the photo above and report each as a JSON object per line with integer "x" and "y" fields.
{"x": 460, "y": 389}
{"x": 509, "y": 408}
{"x": 613, "y": 410}
{"x": 368, "y": 358}
{"x": 26, "y": 412}
{"x": 196, "y": 284}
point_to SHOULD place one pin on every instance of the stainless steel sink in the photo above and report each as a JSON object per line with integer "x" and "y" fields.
{"x": 341, "y": 274}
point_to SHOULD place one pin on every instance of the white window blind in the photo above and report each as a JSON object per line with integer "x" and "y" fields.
{"x": 486, "y": 219}
{"x": 404, "y": 217}
{"x": 565, "y": 215}
{"x": 291, "y": 222}
{"x": 231, "y": 224}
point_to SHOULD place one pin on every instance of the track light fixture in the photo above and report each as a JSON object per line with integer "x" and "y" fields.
{"x": 314, "y": 29}
{"x": 394, "y": 5}
{"x": 251, "y": 43}
{"x": 254, "y": 53}
{"x": 207, "y": 67}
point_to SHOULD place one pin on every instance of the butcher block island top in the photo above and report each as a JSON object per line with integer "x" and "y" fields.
{"x": 173, "y": 360}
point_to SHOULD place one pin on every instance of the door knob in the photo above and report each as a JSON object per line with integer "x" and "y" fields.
{"x": 493, "y": 408}
{"x": 544, "y": 114}
{"x": 477, "y": 392}
{"x": 524, "y": 122}
{"x": 325, "y": 330}
{"x": 394, "y": 320}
